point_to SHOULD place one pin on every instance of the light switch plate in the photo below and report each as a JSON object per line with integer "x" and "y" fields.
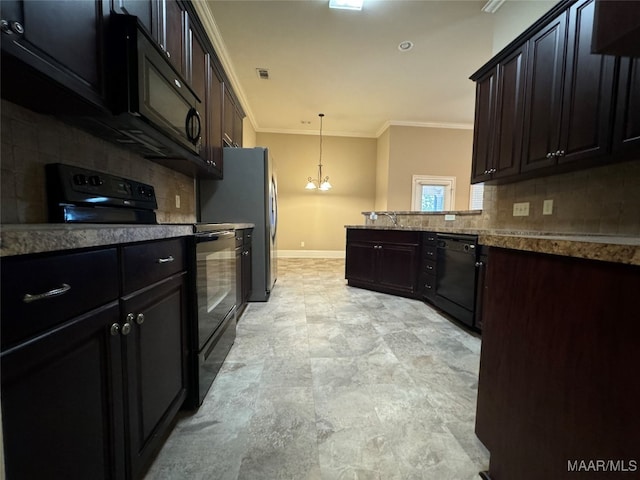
{"x": 547, "y": 207}
{"x": 449, "y": 218}
{"x": 177, "y": 201}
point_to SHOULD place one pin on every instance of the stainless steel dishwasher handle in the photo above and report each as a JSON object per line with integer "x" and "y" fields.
{"x": 56, "y": 292}
{"x": 210, "y": 236}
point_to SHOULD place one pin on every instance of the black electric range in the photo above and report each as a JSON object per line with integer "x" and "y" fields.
{"x": 80, "y": 195}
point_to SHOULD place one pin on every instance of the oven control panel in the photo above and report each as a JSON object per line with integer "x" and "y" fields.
{"x": 79, "y": 186}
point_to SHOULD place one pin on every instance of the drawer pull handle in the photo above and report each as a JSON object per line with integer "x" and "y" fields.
{"x": 169, "y": 259}
{"x": 56, "y": 292}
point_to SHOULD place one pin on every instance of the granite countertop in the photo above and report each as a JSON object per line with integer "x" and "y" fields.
{"x": 21, "y": 239}
{"x": 610, "y": 248}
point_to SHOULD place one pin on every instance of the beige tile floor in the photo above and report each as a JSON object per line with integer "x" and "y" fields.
{"x": 327, "y": 381}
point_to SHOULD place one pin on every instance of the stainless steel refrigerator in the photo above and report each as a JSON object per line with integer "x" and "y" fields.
{"x": 247, "y": 194}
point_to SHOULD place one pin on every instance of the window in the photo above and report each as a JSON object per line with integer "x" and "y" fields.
{"x": 433, "y": 194}
{"x": 476, "y": 196}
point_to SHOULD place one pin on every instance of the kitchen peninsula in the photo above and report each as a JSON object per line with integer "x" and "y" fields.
{"x": 559, "y": 329}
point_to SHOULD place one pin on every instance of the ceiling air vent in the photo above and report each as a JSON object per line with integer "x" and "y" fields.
{"x": 263, "y": 73}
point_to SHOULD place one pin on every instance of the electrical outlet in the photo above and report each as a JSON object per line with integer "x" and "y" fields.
{"x": 547, "y": 207}
{"x": 302, "y": 244}
{"x": 177, "y": 201}
{"x": 521, "y": 209}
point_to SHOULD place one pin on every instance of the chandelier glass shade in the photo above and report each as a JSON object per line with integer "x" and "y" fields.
{"x": 321, "y": 182}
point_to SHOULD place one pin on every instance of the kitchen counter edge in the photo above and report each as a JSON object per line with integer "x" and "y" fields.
{"x": 23, "y": 239}
{"x": 608, "y": 248}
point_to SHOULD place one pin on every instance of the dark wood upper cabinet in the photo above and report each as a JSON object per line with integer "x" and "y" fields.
{"x": 483, "y": 133}
{"x": 571, "y": 93}
{"x": 546, "y": 104}
{"x": 616, "y": 28}
{"x": 175, "y": 35}
{"x": 509, "y": 114}
{"x": 228, "y": 115}
{"x": 544, "y": 94}
{"x": 60, "y": 40}
{"x": 215, "y": 106}
{"x": 588, "y": 92}
{"x": 626, "y": 137}
{"x": 499, "y": 119}
{"x": 53, "y": 61}
{"x": 148, "y": 13}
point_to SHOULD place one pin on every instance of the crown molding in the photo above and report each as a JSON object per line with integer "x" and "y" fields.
{"x": 400, "y": 123}
{"x": 211, "y": 27}
{"x": 325, "y": 133}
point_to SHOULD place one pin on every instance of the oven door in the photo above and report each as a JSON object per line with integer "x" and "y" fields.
{"x": 215, "y": 281}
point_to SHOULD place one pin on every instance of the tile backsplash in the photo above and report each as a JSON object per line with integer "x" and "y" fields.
{"x": 601, "y": 200}
{"x": 31, "y": 140}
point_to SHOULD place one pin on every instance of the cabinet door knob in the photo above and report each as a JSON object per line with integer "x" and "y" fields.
{"x": 114, "y": 330}
{"x": 11, "y": 27}
{"x": 550, "y": 155}
{"x": 559, "y": 153}
{"x": 17, "y": 27}
{"x": 126, "y": 329}
{"x": 140, "y": 318}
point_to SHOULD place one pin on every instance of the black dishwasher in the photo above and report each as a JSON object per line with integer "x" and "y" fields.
{"x": 456, "y": 276}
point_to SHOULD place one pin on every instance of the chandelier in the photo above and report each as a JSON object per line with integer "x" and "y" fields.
{"x": 321, "y": 183}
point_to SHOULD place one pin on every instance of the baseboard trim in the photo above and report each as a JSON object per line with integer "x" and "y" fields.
{"x": 311, "y": 254}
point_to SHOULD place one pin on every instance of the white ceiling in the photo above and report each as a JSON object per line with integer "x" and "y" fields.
{"x": 347, "y": 65}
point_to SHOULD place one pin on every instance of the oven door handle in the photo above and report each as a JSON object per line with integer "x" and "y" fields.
{"x": 213, "y": 236}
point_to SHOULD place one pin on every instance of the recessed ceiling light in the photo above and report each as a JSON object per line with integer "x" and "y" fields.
{"x": 346, "y": 4}
{"x": 405, "y": 46}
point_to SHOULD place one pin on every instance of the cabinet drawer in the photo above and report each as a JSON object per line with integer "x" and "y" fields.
{"x": 239, "y": 238}
{"x": 147, "y": 263}
{"x": 430, "y": 238}
{"x": 247, "y": 234}
{"x": 382, "y": 236}
{"x": 41, "y": 292}
{"x": 429, "y": 253}
{"x": 429, "y": 267}
{"x": 428, "y": 285}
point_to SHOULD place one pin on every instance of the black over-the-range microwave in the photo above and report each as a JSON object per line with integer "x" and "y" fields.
{"x": 149, "y": 99}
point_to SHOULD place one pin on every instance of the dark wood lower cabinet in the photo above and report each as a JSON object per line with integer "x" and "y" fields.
{"x": 62, "y": 408}
{"x": 383, "y": 260}
{"x": 244, "y": 270}
{"x": 558, "y": 381}
{"x": 93, "y": 392}
{"x": 155, "y": 366}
